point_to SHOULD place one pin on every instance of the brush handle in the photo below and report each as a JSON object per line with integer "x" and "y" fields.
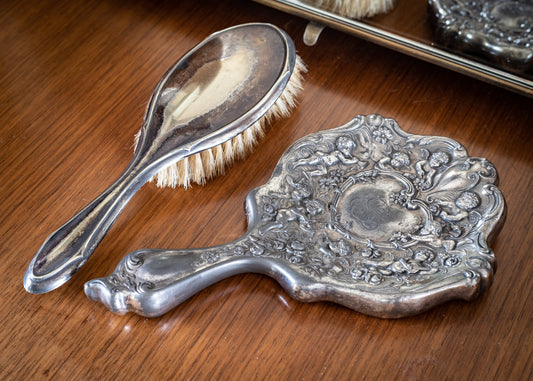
{"x": 68, "y": 248}
{"x": 151, "y": 282}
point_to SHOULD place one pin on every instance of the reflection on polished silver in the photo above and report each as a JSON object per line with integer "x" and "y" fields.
{"x": 312, "y": 33}
{"x": 396, "y": 40}
{"x": 214, "y": 93}
{"x": 500, "y": 30}
{"x": 381, "y": 221}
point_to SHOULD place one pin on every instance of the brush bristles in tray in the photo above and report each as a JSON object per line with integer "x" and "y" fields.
{"x": 355, "y": 9}
{"x": 200, "y": 167}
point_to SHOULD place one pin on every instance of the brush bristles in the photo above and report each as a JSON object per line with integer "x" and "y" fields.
{"x": 355, "y": 9}
{"x": 212, "y": 162}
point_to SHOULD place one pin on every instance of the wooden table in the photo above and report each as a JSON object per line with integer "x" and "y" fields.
{"x": 75, "y": 77}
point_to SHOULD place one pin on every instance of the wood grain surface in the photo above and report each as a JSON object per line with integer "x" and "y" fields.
{"x": 75, "y": 78}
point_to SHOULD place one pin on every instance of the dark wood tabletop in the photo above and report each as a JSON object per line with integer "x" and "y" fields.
{"x": 75, "y": 78}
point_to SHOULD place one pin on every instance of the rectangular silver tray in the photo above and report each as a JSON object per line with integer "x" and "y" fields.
{"x": 412, "y": 38}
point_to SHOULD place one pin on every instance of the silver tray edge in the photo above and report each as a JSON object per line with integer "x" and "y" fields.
{"x": 405, "y": 45}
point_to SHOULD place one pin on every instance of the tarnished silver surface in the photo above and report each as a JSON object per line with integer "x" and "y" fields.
{"x": 500, "y": 30}
{"x": 381, "y": 221}
{"x": 213, "y": 93}
{"x": 406, "y": 44}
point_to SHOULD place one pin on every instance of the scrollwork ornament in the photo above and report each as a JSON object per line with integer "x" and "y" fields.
{"x": 124, "y": 277}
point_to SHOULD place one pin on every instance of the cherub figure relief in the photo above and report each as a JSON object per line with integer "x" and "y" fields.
{"x": 418, "y": 262}
{"x": 458, "y": 209}
{"x": 342, "y": 153}
{"x": 426, "y": 169}
{"x": 398, "y": 160}
{"x": 334, "y": 253}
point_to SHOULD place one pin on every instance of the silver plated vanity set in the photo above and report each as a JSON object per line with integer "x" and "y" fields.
{"x": 365, "y": 215}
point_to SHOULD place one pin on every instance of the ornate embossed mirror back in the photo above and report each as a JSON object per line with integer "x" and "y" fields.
{"x": 366, "y": 215}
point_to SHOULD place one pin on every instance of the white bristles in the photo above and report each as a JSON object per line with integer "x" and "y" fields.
{"x": 212, "y": 162}
{"x": 239, "y": 148}
{"x": 219, "y": 164}
{"x": 355, "y": 9}
{"x": 228, "y": 152}
{"x": 197, "y": 168}
{"x": 208, "y": 161}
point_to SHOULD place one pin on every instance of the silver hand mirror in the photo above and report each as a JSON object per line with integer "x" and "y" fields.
{"x": 365, "y": 215}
